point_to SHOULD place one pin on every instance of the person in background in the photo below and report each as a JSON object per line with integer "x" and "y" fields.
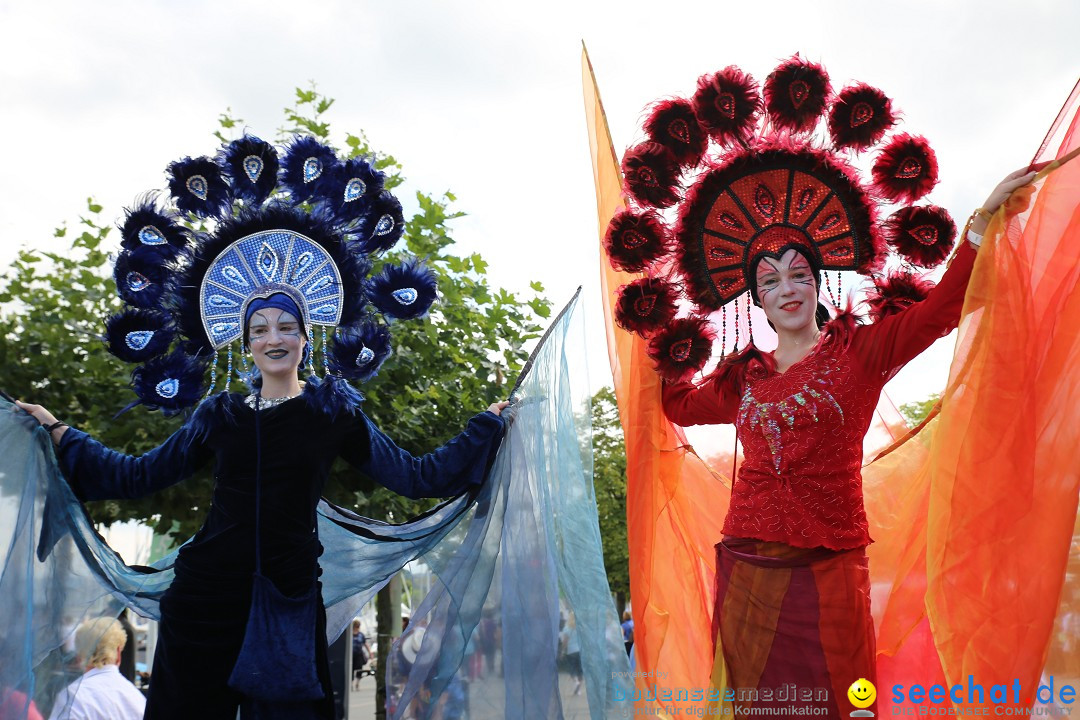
{"x": 360, "y": 653}
{"x": 102, "y": 693}
{"x": 628, "y": 631}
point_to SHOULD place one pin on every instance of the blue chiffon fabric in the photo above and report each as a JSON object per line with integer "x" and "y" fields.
{"x": 522, "y": 551}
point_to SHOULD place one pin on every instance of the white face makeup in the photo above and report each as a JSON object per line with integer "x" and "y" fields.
{"x": 277, "y": 342}
{"x": 787, "y": 291}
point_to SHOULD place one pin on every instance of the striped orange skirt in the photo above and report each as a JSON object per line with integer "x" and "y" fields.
{"x": 792, "y": 627}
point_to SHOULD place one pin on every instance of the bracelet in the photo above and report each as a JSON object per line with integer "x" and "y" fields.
{"x": 983, "y": 213}
{"x": 57, "y": 424}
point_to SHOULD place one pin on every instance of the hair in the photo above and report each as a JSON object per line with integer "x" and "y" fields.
{"x": 626, "y": 615}
{"x": 98, "y": 640}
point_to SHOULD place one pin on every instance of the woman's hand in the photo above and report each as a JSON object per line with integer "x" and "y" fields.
{"x": 497, "y": 408}
{"x": 999, "y": 195}
{"x": 44, "y": 417}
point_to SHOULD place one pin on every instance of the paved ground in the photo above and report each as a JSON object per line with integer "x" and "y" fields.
{"x": 575, "y": 707}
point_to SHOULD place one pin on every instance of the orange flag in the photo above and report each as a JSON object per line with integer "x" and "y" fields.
{"x": 675, "y": 506}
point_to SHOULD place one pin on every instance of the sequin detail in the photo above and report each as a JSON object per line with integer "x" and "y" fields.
{"x": 861, "y": 114}
{"x": 268, "y": 262}
{"x": 223, "y": 327}
{"x": 302, "y": 264}
{"x": 679, "y": 130}
{"x": 385, "y": 225}
{"x": 150, "y": 235}
{"x": 323, "y": 282}
{"x": 909, "y": 169}
{"x": 798, "y": 91}
{"x": 405, "y": 296}
{"x": 221, "y": 301}
{"x": 253, "y": 167}
{"x": 354, "y": 190}
{"x": 770, "y": 418}
{"x": 168, "y": 388}
{"x": 312, "y": 169}
{"x": 138, "y": 339}
{"x": 137, "y": 282}
{"x": 366, "y": 355}
{"x": 234, "y": 275}
{"x": 925, "y": 234}
{"x": 196, "y": 185}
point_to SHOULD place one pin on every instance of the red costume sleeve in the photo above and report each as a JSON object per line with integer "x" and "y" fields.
{"x": 714, "y": 402}
{"x": 889, "y": 344}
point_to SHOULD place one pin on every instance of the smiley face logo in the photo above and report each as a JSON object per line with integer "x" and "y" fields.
{"x": 862, "y": 693}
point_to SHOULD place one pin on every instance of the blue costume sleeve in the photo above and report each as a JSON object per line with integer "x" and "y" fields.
{"x": 450, "y": 470}
{"x": 97, "y": 473}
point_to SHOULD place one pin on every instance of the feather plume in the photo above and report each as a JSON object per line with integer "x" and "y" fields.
{"x": 896, "y": 291}
{"x": 170, "y": 383}
{"x": 682, "y": 348}
{"x": 860, "y": 116}
{"x": 651, "y": 175}
{"x": 673, "y": 124}
{"x": 906, "y": 169}
{"x": 252, "y": 165}
{"x": 145, "y": 226}
{"x": 351, "y": 189}
{"x": 358, "y": 351}
{"x": 380, "y": 227}
{"x": 727, "y": 105}
{"x": 137, "y": 335}
{"x": 634, "y": 240}
{"x": 796, "y": 94}
{"x": 333, "y": 396}
{"x": 141, "y": 278}
{"x": 403, "y": 292}
{"x": 646, "y": 305}
{"x": 198, "y": 187}
{"x": 306, "y": 166}
{"x": 923, "y": 235}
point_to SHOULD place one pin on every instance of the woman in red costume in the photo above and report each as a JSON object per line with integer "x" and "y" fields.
{"x": 793, "y": 584}
{"x": 765, "y": 214}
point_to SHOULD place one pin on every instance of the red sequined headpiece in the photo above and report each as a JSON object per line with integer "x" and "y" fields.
{"x": 737, "y": 172}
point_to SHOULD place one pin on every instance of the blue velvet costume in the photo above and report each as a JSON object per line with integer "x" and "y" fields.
{"x": 205, "y": 609}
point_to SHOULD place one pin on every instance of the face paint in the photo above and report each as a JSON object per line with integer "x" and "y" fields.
{"x": 276, "y": 340}
{"x": 787, "y": 291}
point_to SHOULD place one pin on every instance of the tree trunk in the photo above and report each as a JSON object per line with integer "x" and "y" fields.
{"x": 388, "y": 627}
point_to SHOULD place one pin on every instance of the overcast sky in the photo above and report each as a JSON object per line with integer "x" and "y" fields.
{"x": 484, "y": 99}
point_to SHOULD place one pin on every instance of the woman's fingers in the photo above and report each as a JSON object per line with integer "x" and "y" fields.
{"x": 1021, "y": 180}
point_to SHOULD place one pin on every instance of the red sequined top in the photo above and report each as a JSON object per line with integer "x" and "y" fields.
{"x": 802, "y": 430}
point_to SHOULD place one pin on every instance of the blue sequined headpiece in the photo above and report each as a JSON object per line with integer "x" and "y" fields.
{"x": 306, "y": 224}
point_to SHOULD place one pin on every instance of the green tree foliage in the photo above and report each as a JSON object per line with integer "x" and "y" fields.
{"x": 609, "y": 482}
{"x": 916, "y": 412}
{"x": 444, "y": 369}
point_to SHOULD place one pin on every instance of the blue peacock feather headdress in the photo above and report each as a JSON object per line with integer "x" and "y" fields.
{"x": 245, "y": 224}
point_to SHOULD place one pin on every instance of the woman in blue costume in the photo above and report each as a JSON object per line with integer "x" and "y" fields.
{"x": 267, "y": 272}
{"x": 205, "y": 609}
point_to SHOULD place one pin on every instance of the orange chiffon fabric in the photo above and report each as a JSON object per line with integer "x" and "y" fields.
{"x": 975, "y": 516}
